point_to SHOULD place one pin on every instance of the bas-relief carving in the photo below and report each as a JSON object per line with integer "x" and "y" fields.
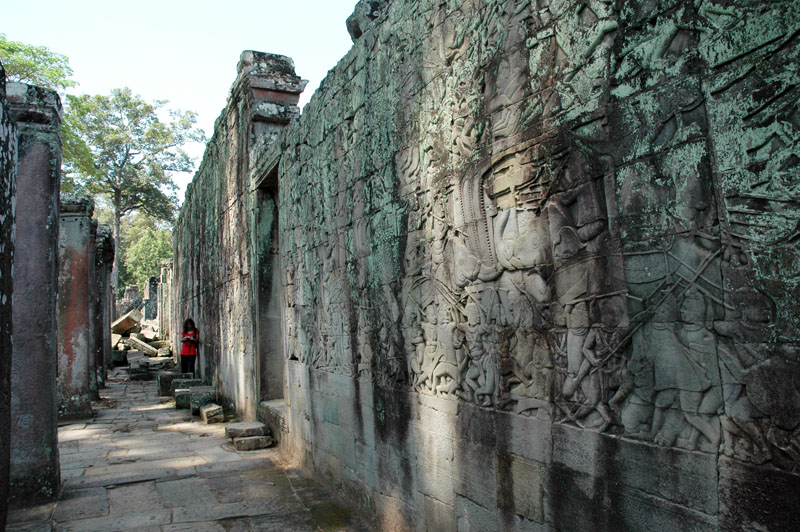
{"x": 564, "y": 263}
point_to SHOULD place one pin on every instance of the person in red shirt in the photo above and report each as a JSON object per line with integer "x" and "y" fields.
{"x": 190, "y": 339}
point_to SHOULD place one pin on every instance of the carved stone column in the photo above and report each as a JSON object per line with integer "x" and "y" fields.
{"x": 104, "y": 257}
{"x": 35, "y": 473}
{"x": 76, "y": 358}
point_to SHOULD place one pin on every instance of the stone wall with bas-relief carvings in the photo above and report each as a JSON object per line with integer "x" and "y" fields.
{"x": 541, "y": 265}
{"x": 211, "y": 277}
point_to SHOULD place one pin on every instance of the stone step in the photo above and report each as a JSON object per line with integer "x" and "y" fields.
{"x": 252, "y": 443}
{"x": 164, "y": 381}
{"x": 212, "y": 413}
{"x": 184, "y": 383}
{"x": 201, "y": 396}
{"x": 183, "y": 398}
{"x": 243, "y": 429}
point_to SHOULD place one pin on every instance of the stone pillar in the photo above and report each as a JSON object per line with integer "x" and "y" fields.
{"x": 8, "y": 188}
{"x": 151, "y": 299}
{"x": 35, "y": 471}
{"x": 104, "y": 258}
{"x": 92, "y": 325}
{"x": 75, "y": 310}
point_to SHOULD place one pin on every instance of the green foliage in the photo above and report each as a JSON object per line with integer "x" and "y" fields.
{"x": 140, "y": 257}
{"x": 36, "y": 65}
{"x": 143, "y": 259}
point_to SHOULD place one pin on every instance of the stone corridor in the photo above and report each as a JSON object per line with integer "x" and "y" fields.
{"x": 140, "y": 464}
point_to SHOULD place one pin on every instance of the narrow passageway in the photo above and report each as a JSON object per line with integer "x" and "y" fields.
{"x": 140, "y": 464}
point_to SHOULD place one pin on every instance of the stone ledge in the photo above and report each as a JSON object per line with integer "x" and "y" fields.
{"x": 273, "y": 415}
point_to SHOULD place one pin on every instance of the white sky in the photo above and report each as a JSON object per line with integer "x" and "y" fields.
{"x": 178, "y": 50}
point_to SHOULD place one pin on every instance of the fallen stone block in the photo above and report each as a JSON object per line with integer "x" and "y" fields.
{"x": 149, "y": 334}
{"x": 141, "y": 346}
{"x": 244, "y": 429}
{"x": 126, "y": 322}
{"x": 252, "y": 443}
{"x": 150, "y": 324}
{"x": 156, "y": 364}
{"x": 159, "y": 344}
{"x": 183, "y": 398}
{"x": 115, "y": 338}
{"x": 201, "y": 396}
{"x": 164, "y": 381}
{"x": 212, "y": 413}
{"x": 165, "y": 352}
{"x": 185, "y": 383}
{"x": 134, "y": 357}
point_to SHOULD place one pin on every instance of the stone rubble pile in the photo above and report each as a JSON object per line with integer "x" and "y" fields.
{"x": 136, "y": 343}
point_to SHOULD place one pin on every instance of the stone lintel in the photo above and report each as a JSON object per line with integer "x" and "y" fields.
{"x": 76, "y": 205}
{"x": 34, "y": 105}
{"x": 269, "y": 78}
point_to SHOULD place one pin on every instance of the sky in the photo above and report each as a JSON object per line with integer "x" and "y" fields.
{"x": 182, "y": 51}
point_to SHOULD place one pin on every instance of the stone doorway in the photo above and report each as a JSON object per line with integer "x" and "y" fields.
{"x": 267, "y": 290}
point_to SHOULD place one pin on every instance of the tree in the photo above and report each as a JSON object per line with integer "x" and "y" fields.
{"x": 133, "y": 154}
{"x": 144, "y": 258}
{"x": 38, "y": 65}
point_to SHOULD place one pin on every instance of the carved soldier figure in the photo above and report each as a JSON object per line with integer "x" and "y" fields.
{"x": 700, "y": 395}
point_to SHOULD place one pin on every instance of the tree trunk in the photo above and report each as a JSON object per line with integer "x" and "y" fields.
{"x": 117, "y": 217}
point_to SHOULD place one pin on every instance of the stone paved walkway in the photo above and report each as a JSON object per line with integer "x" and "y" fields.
{"x": 142, "y": 465}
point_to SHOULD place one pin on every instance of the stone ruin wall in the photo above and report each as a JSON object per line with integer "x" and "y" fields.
{"x": 541, "y": 267}
{"x": 212, "y": 266}
{"x": 8, "y": 188}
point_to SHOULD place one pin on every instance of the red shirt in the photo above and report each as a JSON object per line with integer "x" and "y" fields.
{"x": 189, "y": 348}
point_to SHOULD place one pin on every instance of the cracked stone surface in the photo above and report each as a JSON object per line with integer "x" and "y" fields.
{"x": 141, "y": 464}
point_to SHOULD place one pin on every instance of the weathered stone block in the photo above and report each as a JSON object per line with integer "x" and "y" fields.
{"x": 245, "y": 429}
{"x": 252, "y": 443}
{"x": 439, "y": 516}
{"x": 754, "y": 498}
{"x": 164, "y": 381}
{"x": 520, "y": 487}
{"x": 184, "y": 383}
{"x": 201, "y": 396}
{"x": 212, "y": 413}
{"x": 273, "y": 415}
{"x": 127, "y": 322}
{"x": 183, "y": 398}
{"x": 144, "y": 347}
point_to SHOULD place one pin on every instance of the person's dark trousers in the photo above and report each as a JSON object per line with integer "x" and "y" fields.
{"x": 187, "y": 364}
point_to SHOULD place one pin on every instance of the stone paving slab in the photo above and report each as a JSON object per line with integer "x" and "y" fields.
{"x": 142, "y": 465}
